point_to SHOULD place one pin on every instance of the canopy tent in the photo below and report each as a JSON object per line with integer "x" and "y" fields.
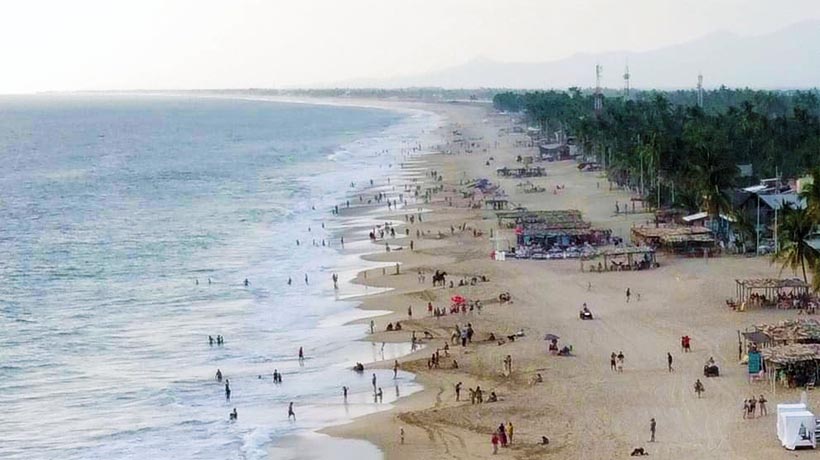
{"x": 798, "y": 429}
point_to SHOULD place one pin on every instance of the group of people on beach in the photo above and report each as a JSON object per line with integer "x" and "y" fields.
{"x": 616, "y": 362}
{"x": 751, "y": 405}
{"x": 503, "y": 436}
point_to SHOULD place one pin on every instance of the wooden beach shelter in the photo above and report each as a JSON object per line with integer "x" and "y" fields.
{"x": 643, "y": 255}
{"x": 769, "y": 287}
{"x": 497, "y": 203}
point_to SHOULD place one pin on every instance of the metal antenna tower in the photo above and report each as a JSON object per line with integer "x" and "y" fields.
{"x": 599, "y": 94}
{"x": 700, "y": 90}
{"x": 626, "y": 81}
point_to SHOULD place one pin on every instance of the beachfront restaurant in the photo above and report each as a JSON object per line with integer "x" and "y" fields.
{"x": 784, "y": 293}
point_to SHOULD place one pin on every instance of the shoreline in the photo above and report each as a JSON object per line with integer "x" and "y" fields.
{"x": 359, "y": 256}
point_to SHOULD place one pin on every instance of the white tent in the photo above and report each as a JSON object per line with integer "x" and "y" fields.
{"x": 798, "y": 429}
{"x": 781, "y": 408}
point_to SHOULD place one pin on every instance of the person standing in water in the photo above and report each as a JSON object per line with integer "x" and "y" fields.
{"x": 306, "y": 279}
{"x": 374, "y": 383}
{"x": 227, "y": 390}
{"x": 291, "y": 413}
{"x": 344, "y": 392}
{"x": 395, "y": 369}
{"x": 218, "y": 375}
{"x": 247, "y": 283}
{"x": 301, "y": 354}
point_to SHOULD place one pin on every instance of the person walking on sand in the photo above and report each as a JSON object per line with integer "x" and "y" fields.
{"x": 395, "y": 369}
{"x": 372, "y": 326}
{"x": 509, "y": 432}
{"x": 761, "y": 403}
{"x": 495, "y": 440}
{"x": 669, "y": 361}
{"x": 613, "y": 362}
{"x": 374, "y": 382}
{"x": 291, "y": 413}
{"x": 458, "y": 391}
{"x": 699, "y": 389}
{"x": 628, "y": 295}
{"x": 652, "y": 426}
{"x": 344, "y": 392}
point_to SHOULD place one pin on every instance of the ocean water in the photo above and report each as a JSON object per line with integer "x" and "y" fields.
{"x": 113, "y": 207}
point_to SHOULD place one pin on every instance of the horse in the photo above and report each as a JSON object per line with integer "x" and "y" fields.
{"x": 439, "y": 278}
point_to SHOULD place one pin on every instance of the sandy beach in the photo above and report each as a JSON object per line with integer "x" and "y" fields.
{"x": 585, "y": 409}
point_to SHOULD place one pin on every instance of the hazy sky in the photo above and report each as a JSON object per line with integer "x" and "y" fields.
{"x": 177, "y": 44}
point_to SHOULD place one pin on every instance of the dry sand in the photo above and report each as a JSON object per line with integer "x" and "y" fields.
{"x": 586, "y": 410}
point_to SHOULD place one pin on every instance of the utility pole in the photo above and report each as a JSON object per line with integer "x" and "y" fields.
{"x": 626, "y": 82}
{"x": 777, "y": 205}
{"x": 599, "y": 95}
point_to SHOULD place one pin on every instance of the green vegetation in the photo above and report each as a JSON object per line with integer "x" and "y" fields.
{"x": 664, "y": 146}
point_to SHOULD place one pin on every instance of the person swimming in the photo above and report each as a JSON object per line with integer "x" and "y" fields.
{"x": 233, "y": 415}
{"x": 247, "y": 283}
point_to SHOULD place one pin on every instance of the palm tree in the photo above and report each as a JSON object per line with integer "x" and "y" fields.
{"x": 811, "y": 194}
{"x": 794, "y": 252}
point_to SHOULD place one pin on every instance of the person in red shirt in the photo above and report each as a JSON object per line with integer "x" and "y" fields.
{"x": 495, "y": 443}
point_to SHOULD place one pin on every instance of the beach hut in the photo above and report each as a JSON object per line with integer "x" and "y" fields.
{"x": 792, "y": 366}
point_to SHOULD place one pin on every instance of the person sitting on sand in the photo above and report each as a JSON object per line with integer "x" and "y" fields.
{"x": 389, "y": 327}
{"x": 638, "y": 452}
{"x": 493, "y": 397}
{"x": 545, "y": 440}
{"x": 398, "y": 326}
{"x": 455, "y": 364}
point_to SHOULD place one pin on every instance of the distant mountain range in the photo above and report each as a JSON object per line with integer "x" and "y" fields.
{"x": 788, "y": 58}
